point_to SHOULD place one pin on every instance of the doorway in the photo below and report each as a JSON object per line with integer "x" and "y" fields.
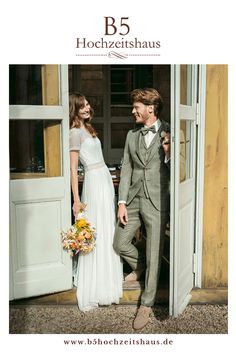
{"x": 108, "y": 88}
{"x": 182, "y": 88}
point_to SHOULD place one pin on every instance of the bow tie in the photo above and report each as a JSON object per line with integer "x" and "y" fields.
{"x": 145, "y": 130}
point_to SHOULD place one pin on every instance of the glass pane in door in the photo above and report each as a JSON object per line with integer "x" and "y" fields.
{"x": 185, "y": 150}
{"x": 26, "y": 146}
{"x": 185, "y": 85}
{"x": 34, "y": 148}
{"x": 33, "y": 85}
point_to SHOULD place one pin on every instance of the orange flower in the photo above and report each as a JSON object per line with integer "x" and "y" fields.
{"x": 88, "y": 235}
{"x": 81, "y": 236}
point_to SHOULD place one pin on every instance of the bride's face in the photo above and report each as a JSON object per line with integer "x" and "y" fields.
{"x": 84, "y": 112}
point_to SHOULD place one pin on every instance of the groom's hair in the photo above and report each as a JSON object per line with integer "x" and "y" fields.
{"x": 149, "y": 97}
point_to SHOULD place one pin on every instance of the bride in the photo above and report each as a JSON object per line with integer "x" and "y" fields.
{"x": 99, "y": 273}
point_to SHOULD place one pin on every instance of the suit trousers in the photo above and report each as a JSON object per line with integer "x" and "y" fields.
{"x": 142, "y": 209}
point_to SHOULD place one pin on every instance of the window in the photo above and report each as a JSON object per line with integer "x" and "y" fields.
{"x": 108, "y": 87}
{"x": 26, "y": 146}
{"x": 33, "y": 85}
{"x": 34, "y": 143}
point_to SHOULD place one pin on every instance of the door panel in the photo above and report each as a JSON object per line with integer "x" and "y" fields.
{"x": 40, "y": 205}
{"x": 185, "y": 241}
{"x": 183, "y": 151}
{"x": 39, "y": 265}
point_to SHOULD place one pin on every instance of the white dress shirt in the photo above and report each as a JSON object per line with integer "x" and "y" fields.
{"x": 150, "y": 135}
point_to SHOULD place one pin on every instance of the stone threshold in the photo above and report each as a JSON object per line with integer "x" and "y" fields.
{"x": 131, "y": 296}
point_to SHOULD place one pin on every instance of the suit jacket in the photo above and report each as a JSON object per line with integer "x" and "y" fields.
{"x": 142, "y": 165}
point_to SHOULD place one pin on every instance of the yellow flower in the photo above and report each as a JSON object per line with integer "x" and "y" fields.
{"x": 81, "y": 223}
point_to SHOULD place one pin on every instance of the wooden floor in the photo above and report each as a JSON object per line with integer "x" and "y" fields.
{"x": 131, "y": 295}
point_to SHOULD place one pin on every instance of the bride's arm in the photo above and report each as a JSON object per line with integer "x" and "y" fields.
{"x": 74, "y": 160}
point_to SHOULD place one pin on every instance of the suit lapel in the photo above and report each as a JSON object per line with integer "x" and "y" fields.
{"x": 153, "y": 147}
{"x": 138, "y": 142}
{"x": 156, "y": 141}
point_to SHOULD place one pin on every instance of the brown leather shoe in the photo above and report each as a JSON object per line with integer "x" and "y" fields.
{"x": 142, "y": 317}
{"x": 134, "y": 275}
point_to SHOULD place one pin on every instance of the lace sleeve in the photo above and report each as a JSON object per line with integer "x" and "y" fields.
{"x": 75, "y": 139}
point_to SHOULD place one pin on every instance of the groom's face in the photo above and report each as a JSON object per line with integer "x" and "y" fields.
{"x": 140, "y": 112}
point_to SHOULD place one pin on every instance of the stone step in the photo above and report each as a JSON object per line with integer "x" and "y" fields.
{"x": 131, "y": 295}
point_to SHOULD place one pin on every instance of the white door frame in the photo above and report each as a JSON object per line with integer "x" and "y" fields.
{"x": 200, "y": 164}
{"x": 199, "y": 182}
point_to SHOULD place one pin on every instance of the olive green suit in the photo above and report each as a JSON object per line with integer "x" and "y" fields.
{"x": 144, "y": 185}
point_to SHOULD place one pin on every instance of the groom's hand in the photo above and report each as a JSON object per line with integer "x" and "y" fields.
{"x": 122, "y": 214}
{"x": 166, "y": 145}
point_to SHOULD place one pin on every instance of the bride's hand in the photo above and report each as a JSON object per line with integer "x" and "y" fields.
{"x": 77, "y": 207}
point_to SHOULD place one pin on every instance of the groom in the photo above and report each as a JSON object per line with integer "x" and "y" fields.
{"x": 144, "y": 194}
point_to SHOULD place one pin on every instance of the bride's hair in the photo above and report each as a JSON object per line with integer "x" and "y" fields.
{"x": 76, "y": 102}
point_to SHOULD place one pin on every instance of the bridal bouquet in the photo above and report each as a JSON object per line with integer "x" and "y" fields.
{"x": 80, "y": 237}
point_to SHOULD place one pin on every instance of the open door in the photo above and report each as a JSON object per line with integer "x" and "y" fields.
{"x": 183, "y": 184}
{"x": 40, "y": 182}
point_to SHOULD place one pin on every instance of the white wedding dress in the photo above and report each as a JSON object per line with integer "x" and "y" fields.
{"x": 99, "y": 273}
